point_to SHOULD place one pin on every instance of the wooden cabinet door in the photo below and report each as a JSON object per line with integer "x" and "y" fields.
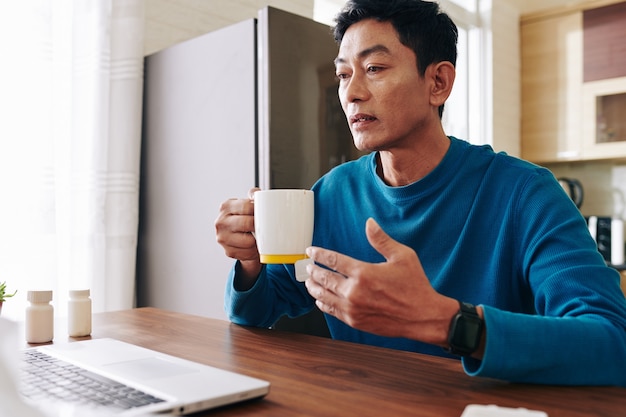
{"x": 604, "y": 89}
{"x": 604, "y": 118}
{"x": 552, "y": 88}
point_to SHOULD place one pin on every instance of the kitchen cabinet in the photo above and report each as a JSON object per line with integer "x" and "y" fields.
{"x": 551, "y": 88}
{"x": 571, "y": 111}
{"x": 604, "y": 122}
{"x": 604, "y": 87}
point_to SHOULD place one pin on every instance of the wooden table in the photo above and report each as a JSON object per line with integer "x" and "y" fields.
{"x": 313, "y": 376}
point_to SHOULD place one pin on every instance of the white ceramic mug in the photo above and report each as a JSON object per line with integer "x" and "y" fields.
{"x": 283, "y": 224}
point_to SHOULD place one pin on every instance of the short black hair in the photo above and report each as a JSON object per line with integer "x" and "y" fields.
{"x": 421, "y": 26}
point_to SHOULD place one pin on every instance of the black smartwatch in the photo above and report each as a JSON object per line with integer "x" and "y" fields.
{"x": 466, "y": 330}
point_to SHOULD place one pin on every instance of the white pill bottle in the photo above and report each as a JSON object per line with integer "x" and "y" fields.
{"x": 39, "y": 317}
{"x": 79, "y": 313}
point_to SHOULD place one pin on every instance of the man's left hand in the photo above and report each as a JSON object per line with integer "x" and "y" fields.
{"x": 393, "y": 298}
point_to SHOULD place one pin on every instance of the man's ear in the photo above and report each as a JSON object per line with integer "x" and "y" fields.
{"x": 442, "y": 75}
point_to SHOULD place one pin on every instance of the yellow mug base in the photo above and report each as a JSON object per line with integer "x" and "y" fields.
{"x": 282, "y": 259}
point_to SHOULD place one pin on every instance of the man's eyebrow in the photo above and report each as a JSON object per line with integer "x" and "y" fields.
{"x": 366, "y": 52}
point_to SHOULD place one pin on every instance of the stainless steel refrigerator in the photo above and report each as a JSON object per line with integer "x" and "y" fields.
{"x": 252, "y": 104}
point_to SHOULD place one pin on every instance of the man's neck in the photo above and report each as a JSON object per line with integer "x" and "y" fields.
{"x": 406, "y": 166}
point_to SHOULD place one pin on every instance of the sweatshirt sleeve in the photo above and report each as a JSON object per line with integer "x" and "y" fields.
{"x": 577, "y": 334}
{"x": 539, "y": 349}
{"x": 276, "y": 293}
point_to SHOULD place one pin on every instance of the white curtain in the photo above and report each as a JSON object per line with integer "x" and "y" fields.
{"x": 71, "y": 80}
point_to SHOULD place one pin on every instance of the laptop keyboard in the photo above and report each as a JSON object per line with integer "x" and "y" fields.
{"x": 44, "y": 377}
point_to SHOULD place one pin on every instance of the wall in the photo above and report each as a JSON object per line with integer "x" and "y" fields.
{"x": 172, "y": 21}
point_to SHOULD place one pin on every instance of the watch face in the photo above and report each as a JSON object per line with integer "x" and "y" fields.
{"x": 467, "y": 333}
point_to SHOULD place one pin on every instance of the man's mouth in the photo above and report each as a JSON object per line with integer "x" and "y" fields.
{"x": 358, "y": 118}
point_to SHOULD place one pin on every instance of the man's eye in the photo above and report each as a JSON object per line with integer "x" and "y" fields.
{"x": 342, "y": 76}
{"x": 373, "y": 68}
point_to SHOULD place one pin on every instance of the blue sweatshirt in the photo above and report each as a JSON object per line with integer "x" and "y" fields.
{"x": 491, "y": 230}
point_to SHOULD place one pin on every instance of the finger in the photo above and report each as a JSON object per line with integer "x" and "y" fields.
{"x": 329, "y": 309}
{"x": 252, "y": 191}
{"x": 381, "y": 241}
{"x": 331, "y": 259}
{"x": 235, "y": 216}
{"x": 237, "y": 239}
{"x": 237, "y": 206}
{"x": 322, "y": 281}
{"x": 232, "y": 233}
{"x": 330, "y": 299}
{"x": 326, "y": 300}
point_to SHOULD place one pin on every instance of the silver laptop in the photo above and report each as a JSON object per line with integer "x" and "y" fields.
{"x": 129, "y": 380}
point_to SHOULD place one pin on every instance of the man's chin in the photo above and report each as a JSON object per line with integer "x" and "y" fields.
{"x": 363, "y": 145}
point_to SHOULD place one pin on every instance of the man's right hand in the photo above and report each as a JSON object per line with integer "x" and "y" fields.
{"x": 233, "y": 228}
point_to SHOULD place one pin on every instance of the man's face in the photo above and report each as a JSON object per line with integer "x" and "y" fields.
{"x": 382, "y": 94}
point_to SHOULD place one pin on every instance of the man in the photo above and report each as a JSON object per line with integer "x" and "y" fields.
{"x": 430, "y": 244}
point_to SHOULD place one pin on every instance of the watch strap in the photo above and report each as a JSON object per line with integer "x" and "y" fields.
{"x": 466, "y": 329}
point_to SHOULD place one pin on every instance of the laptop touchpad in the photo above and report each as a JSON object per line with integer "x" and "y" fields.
{"x": 149, "y": 368}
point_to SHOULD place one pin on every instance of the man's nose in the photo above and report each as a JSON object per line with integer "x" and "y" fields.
{"x": 355, "y": 89}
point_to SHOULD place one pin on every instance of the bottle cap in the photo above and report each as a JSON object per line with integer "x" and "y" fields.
{"x": 79, "y": 293}
{"x": 39, "y": 296}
